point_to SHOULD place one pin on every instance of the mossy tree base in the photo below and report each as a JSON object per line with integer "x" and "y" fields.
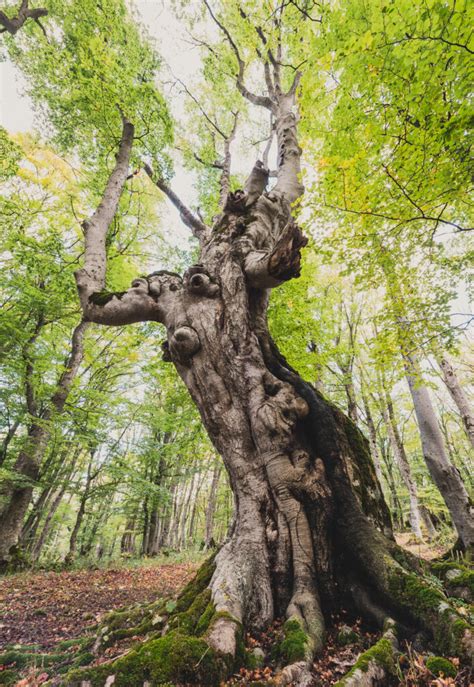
{"x": 177, "y": 649}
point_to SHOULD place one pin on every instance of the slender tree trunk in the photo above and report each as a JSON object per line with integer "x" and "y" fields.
{"x": 81, "y": 512}
{"x": 152, "y": 508}
{"x": 444, "y": 474}
{"x": 7, "y": 439}
{"x": 374, "y": 451}
{"x": 40, "y": 542}
{"x": 195, "y": 501}
{"x": 17, "y": 494}
{"x": 396, "y": 506}
{"x": 403, "y": 464}
{"x": 211, "y": 507}
{"x": 166, "y": 521}
{"x": 352, "y": 409}
{"x": 458, "y": 395}
{"x": 190, "y": 499}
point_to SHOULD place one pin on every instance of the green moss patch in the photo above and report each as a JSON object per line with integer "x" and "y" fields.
{"x": 9, "y": 677}
{"x": 174, "y": 658}
{"x": 24, "y": 659}
{"x": 440, "y": 666}
{"x": 431, "y": 608}
{"x": 197, "y": 585}
{"x": 382, "y": 654}
{"x": 103, "y": 297}
{"x": 295, "y": 645}
{"x": 346, "y": 636}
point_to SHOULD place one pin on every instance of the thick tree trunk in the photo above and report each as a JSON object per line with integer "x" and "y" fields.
{"x": 311, "y": 531}
{"x": 445, "y": 475}
{"x": 458, "y": 395}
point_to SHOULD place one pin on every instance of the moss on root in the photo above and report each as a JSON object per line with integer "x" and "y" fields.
{"x": 200, "y": 611}
{"x": 381, "y": 654}
{"x": 9, "y": 677}
{"x": 23, "y": 659}
{"x": 296, "y": 644}
{"x": 182, "y": 655}
{"x": 175, "y": 658}
{"x": 458, "y": 579}
{"x": 430, "y": 607}
{"x": 197, "y": 585}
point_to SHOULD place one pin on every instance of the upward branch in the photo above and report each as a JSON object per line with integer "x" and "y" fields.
{"x": 92, "y": 276}
{"x": 198, "y": 228}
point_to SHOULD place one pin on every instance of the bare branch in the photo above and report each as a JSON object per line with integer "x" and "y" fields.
{"x": 260, "y": 100}
{"x": 198, "y": 228}
{"x": 211, "y": 121}
{"x": 224, "y": 181}
{"x": 215, "y": 165}
{"x": 14, "y": 24}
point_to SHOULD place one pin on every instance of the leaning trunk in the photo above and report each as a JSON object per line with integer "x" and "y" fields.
{"x": 444, "y": 474}
{"x": 458, "y": 395}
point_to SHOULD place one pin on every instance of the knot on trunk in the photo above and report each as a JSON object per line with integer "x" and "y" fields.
{"x": 285, "y": 260}
{"x": 184, "y": 343}
{"x": 282, "y": 408}
{"x": 199, "y": 282}
{"x": 158, "y": 282}
{"x": 236, "y": 202}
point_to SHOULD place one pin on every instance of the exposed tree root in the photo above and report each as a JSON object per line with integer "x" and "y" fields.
{"x": 375, "y": 666}
{"x": 196, "y": 643}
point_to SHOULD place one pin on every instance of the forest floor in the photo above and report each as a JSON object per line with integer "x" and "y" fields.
{"x": 43, "y": 609}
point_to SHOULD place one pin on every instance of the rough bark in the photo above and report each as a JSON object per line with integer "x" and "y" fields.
{"x": 458, "y": 395}
{"x": 311, "y": 530}
{"x": 444, "y": 474}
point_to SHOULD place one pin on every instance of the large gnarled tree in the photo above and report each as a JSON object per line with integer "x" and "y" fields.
{"x": 311, "y": 532}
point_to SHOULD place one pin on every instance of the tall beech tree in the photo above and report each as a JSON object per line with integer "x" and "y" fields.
{"x": 311, "y": 532}
{"x": 311, "y": 528}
